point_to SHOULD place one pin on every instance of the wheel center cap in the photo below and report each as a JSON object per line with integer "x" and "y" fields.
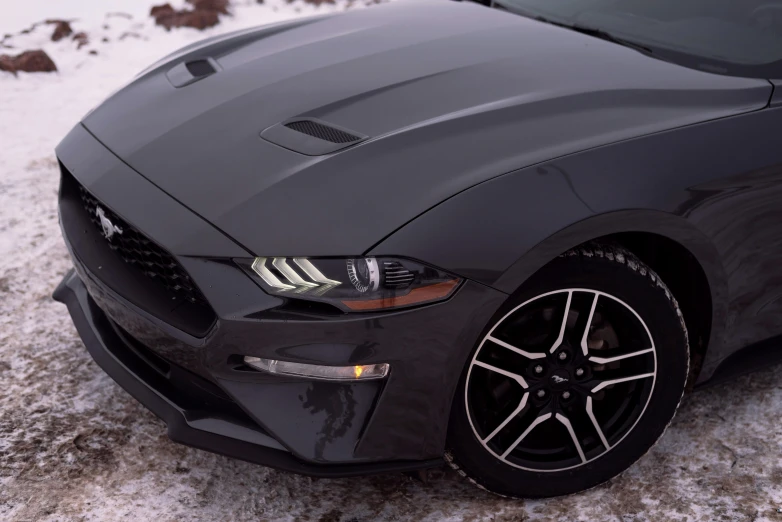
{"x": 560, "y": 380}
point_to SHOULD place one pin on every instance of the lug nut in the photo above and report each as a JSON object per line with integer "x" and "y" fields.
{"x": 541, "y": 394}
{"x": 566, "y": 395}
{"x": 538, "y": 369}
{"x": 580, "y": 372}
{"x": 562, "y": 356}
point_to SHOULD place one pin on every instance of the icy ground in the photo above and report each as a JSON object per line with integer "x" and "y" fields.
{"x": 74, "y": 446}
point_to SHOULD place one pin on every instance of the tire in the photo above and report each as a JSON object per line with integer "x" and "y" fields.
{"x": 521, "y": 405}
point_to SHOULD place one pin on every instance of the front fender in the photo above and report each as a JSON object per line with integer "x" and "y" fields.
{"x": 482, "y": 232}
{"x": 501, "y": 232}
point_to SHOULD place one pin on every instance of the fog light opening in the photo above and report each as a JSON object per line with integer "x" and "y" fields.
{"x": 314, "y": 371}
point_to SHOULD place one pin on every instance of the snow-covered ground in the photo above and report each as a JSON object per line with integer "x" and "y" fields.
{"x": 74, "y": 446}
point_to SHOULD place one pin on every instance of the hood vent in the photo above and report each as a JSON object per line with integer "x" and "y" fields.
{"x": 200, "y": 68}
{"x": 185, "y": 73}
{"x": 322, "y": 132}
{"x": 311, "y": 137}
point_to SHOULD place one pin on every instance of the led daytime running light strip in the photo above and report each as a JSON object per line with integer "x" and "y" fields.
{"x": 297, "y": 282}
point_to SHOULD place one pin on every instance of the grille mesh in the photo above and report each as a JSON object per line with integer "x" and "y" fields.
{"x": 322, "y": 132}
{"x": 137, "y": 250}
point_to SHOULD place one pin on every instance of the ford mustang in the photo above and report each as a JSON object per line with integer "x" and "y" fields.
{"x": 504, "y": 235}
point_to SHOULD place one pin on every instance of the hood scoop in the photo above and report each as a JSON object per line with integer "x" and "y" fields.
{"x": 186, "y": 73}
{"x": 311, "y": 137}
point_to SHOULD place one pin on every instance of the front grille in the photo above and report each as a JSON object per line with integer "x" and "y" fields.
{"x": 322, "y": 132}
{"x": 137, "y": 250}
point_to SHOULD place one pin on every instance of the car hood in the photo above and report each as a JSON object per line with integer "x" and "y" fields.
{"x": 450, "y": 95}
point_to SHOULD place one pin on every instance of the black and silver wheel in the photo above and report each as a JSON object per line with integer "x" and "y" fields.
{"x": 574, "y": 380}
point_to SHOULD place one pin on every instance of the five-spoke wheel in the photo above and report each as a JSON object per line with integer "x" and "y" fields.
{"x": 560, "y": 379}
{"x": 573, "y": 380}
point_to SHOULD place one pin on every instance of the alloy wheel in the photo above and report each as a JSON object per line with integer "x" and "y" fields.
{"x": 560, "y": 380}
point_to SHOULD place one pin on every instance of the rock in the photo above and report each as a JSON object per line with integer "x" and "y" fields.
{"x": 197, "y": 19}
{"x": 204, "y": 14}
{"x": 220, "y": 6}
{"x": 82, "y": 39}
{"x": 6, "y": 63}
{"x": 161, "y": 10}
{"x": 61, "y": 29}
{"x": 28, "y": 61}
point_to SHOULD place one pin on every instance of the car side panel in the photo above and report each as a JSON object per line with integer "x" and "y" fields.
{"x": 716, "y": 188}
{"x": 776, "y": 99}
{"x": 724, "y": 178}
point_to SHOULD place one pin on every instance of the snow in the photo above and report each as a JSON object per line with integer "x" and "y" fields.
{"x": 19, "y": 15}
{"x": 74, "y": 446}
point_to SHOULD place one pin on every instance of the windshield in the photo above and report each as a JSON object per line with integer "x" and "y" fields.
{"x": 737, "y": 37}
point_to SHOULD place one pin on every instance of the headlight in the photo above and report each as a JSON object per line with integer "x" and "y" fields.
{"x": 354, "y": 284}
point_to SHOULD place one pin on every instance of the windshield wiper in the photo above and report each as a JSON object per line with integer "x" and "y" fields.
{"x": 583, "y": 29}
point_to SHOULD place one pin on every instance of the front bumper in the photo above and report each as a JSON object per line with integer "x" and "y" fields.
{"x": 194, "y": 380}
{"x": 191, "y": 421}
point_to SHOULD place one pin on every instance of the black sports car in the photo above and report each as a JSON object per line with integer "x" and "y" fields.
{"x": 505, "y": 236}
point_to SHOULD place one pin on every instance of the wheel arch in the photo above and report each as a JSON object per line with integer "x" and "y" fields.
{"x": 683, "y": 257}
{"x": 685, "y": 278}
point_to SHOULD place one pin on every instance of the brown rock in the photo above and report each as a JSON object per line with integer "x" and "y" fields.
{"x": 204, "y": 14}
{"x": 220, "y": 6}
{"x": 61, "y": 29}
{"x": 6, "y": 63}
{"x": 28, "y": 61}
{"x": 82, "y": 39}
{"x": 161, "y": 10}
{"x": 197, "y": 19}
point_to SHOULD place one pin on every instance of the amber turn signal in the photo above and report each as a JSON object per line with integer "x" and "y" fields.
{"x": 421, "y": 295}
